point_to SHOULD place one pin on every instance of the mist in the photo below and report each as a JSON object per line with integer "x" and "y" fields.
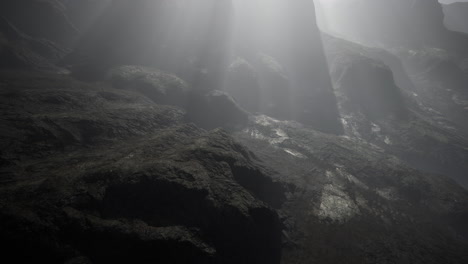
{"x": 233, "y": 131}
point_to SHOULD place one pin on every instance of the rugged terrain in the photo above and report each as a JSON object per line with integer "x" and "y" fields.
{"x": 338, "y": 153}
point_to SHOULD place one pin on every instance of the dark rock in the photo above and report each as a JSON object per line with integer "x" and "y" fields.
{"x": 400, "y": 120}
{"x": 42, "y": 19}
{"x": 243, "y": 84}
{"x": 314, "y": 103}
{"x": 456, "y": 16}
{"x": 160, "y": 87}
{"x": 20, "y": 51}
{"x": 347, "y": 199}
{"x": 215, "y": 109}
{"x": 135, "y": 33}
{"x": 46, "y": 113}
{"x": 85, "y": 13}
{"x": 367, "y": 86}
{"x": 276, "y": 97}
{"x": 127, "y": 182}
{"x": 440, "y": 83}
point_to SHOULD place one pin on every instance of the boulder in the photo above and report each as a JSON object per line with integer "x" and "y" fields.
{"x": 162, "y": 88}
{"x": 368, "y": 87}
{"x": 243, "y": 84}
{"x": 276, "y": 97}
{"x": 215, "y": 109}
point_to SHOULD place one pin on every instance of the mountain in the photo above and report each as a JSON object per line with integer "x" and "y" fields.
{"x": 232, "y": 132}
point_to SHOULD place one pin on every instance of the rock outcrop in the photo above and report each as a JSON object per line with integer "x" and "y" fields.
{"x": 243, "y": 84}
{"x": 20, "y": 51}
{"x": 395, "y": 117}
{"x": 348, "y": 199}
{"x": 215, "y": 109}
{"x": 154, "y": 160}
{"x": 413, "y": 24}
{"x": 162, "y": 88}
{"x": 40, "y": 19}
{"x": 101, "y": 174}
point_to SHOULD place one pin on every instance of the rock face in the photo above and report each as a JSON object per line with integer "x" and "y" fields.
{"x": 215, "y": 109}
{"x": 456, "y": 16}
{"x": 243, "y": 85}
{"x": 375, "y": 109}
{"x": 20, "y": 51}
{"x": 155, "y": 160}
{"x": 40, "y": 19}
{"x": 349, "y": 200}
{"x": 276, "y": 94}
{"x": 103, "y": 193}
{"x": 413, "y": 24}
{"x": 261, "y": 86}
{"x": 314, "y": 102}
{"x": 91, "y": 174}
{"x": 84, "y": 14}
{"x": 376, "y": 96}
{"x": 162, "y": 88}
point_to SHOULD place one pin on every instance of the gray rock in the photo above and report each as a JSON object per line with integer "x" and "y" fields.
{"x": 100, "y": 174}
{"x": 20, "y": 51}
{"x": 243, "y": 84}
{"x": 162, "y": 88}
{"x": 215, "y": 109}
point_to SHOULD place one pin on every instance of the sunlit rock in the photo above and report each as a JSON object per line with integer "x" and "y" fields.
{"x": 336, "y": 205}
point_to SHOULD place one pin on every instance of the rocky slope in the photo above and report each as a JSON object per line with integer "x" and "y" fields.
{"x": 348, "y": 199}
{"x": 21, "y": 51}
{"x": 385, "y": 108}
{"x": 91, "y": 171}
{"x": 106, "y": 156}
{"x": 97, "y": 173}
{"x": 40, "y": 19}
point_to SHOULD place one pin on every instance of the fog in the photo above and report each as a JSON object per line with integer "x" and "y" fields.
{"x": 233, "y": 131}
{"x": 202, "y": 40}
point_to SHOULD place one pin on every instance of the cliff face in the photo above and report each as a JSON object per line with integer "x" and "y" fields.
{"x": 393, "y": 23}
{"x": 456, "y": 16}
{"x": 43, "y": 19}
